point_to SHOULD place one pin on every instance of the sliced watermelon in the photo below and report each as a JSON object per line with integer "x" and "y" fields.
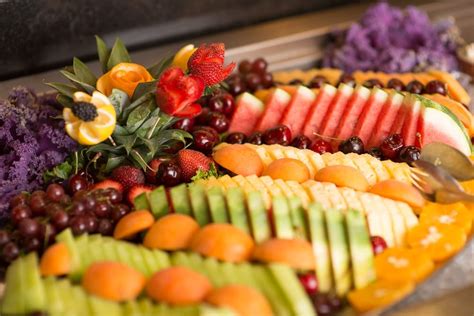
{"x": 318, "y": 110}
{"x": 386, "y": 118}
{"x": 275, "y": 105}
{"x": 336, "y": 110}
{"x": 400, "y": 119}
{"x": 298, "y": 109}
{"x": 410, "y": 125}
{"x": 369, "y": 116}
{"x": 352, "y": 112}
{"x": 438, "y": 124}
{"x": 248, "y": 110}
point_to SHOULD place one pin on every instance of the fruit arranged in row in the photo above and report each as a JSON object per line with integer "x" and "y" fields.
{"x": 251, "y": 76}
{"x": 392, "y": 80}
{"x": 251, "y": 159}
{"x": 370, "y": 114}
{"x": 385, "y": 217}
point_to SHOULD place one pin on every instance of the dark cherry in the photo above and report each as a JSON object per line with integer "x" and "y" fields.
{"x": 253, "y": 81}
{"x": 395, "y": 84}
{"x": 301, "y": 142}
{"x": 219, "y": 122}
{"x": 245, "y": 66}
{"x": 19, "y": 213}
{"x": 409, "y": 154}
{"x": 347, "y": 79}
{"x": 236, "y": 138}
{"x": 32, "y": 244}
{"x": 19, "y": 199}
{"x": 372, "y": 83}
{"x": 352, "y": 145}
{"x": 105, "y": 227}
{"x": 236, "y": 88}
{"x": 55, "y": 192}
{"x": 436, "y": 86}
{"x": 60, "y": 220}
{"x": 228, "y": 103}
{"x": 10, "y": 252}
{"x": 202, "y": 118}
{"x": 378, "y": 244}
{"x": 78, "y": 225}
{"x": 77, "y": 182}
{"x": 256, "y": 138}
{"x": 267, "y": 80}
{"x": 309, "y": 282}
{"x": 215, "y": 104}
{"x": 317, "y": 82}
{"x": 204, "y": 141}
{"x": 376, "y": 152}
{"x": 185, "y": 124}
{"x": 29, "y": 228}
{"x": 169, "y": 174}
{"x": 391, "y": 146}
{"x": 37, "y": 205}
{"x": 296, "y": 82}
{"x": 102, "y": 209}
{"x": 114, "y": 196}
{"x": 321, "y": 146}
{"x": 280, "y": 134}
{"x": 259, "y": 65}
{"x": 4, "y": 237}
{"x": 415, "y": 87}
{"x": 208, "y": 129}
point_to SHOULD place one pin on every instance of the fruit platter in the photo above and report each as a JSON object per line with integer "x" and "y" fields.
{"x": 202, "y": 186}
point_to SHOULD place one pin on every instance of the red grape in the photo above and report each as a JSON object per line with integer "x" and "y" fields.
{"x": 60, "y": 220}
{"x": 352, "y": 145}
{"x": 236, "y": 138}
{"x": 19, "y": 213}
{"x": 169, "y": 174}
{"x": 185, "y": 124}
{"x": 391, "y": 146}
{"x": 259, "y": 65}
{"x": 256, "y": 138}
{"x": 219, "y": 122}
{"x": 10, "y": 252}
{"x": 77, "y": 182}
{"x": 415, "y": 87}
{"x": 55, "y": 192}
{"x": 4, "y": 237}
{"x": 301, "y": 142}
{"x": 321, "y": 146}
{"x": 378, "y": 244}
{"x": 436, "y": 86}
{"x": 29, "y": 228}
{"x": 309, "y": 282}
{"x": 245, "y": 66}
{"x": 280, "y": 134}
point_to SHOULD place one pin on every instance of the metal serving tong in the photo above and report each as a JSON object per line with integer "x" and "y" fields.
{"x": 437, "y": 172}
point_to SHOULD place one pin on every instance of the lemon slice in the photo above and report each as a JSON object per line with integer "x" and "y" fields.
{"x": 72, "y": 129}
{"x": 69, "y": 116}
{"x": 99, "y": 100}
{"x": 88, "y": 135}
{"x": 80, "y": 96}
{"x": 105, "y": 119}
{"x": 182, "y": 56}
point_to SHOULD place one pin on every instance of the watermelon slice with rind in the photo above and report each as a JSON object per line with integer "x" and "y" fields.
{"x": 386, "y": 118}
{"x": 318, "y": 110}
{"x": 275, "y": 105}
{"x": 369, "y": 117}
{"x": 438, "y": 124}
{"x": 410, "y": 124}
{"x": 336, "y": 110}
{"x": 248, "y": 111}
{"x": 352, "y": 112}
{"x": 298, "y": 109}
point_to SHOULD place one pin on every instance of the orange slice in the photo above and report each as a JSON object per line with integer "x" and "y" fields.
{"x": 456, "y": 214}
{"x": 439, "y": 241}
{"x": 378, "y": 294}
{"x": 403, "y": 265}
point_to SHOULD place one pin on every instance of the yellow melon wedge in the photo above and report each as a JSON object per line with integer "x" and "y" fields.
{"x": 455, "y": 90}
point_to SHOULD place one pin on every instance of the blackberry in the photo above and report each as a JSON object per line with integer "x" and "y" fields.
{"x": 85, "y": 111}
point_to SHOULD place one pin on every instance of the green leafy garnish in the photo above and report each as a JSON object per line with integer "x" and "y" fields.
{"x": 203, "y": 175}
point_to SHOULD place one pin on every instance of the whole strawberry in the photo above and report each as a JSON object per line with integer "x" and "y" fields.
{"x": 128, "y": 176}
{"x": 207, "y": 63}
{"x": 191, "y": 161}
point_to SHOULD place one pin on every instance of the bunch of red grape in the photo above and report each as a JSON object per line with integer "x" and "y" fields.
{"x": 36, "y": 218}
{"x": 251, "y": 76}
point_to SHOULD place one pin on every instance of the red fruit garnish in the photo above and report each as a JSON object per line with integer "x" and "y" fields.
{"x": 280, "y": 134}
{"x": 107, "y": 184}
{"x": 191, "y": 161}
{"x": 128, "y": 176}
{"x": 177, "y": 94}
{"x": 378, "y": 244}
{"x": 309, "y": 282}
{"x": 207, "y": 63}
{"x": 151, "y": 173}
{"x": 136, "y": 191}
{"x": 391, "y": 146}
{"x": 321, "y": 146}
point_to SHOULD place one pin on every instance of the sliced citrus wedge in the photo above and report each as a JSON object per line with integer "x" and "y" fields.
{"x": 378, "y": 294}
{"x": 88, "y": 135}
{"x": 439, "y": 241}
{"x": 72, "y": 129}
{"x": 68, "y": 116}
{"x": 456, "y": 214}
{"x": 403, "y": 265}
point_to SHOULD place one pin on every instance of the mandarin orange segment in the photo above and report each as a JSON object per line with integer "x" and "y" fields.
{"x": 178, "y": 286}
{"x": 133, "y": 223}
{"x": 378, "y": 294}
{"x": 113, "y": 281}
{"x": 171, "y": 232}
{"x": 56, "y": 260}
{"x": 455, "y": 214}
{"x": 403, "y": 265}
{"x": 343, "y": 176}
{"x": 400, "y": 191}
{"x": 224, "y": 242}
{"x": 287, "y": 169}
{"x": 439, "y": 241}
{"x": 244, "y": 300}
